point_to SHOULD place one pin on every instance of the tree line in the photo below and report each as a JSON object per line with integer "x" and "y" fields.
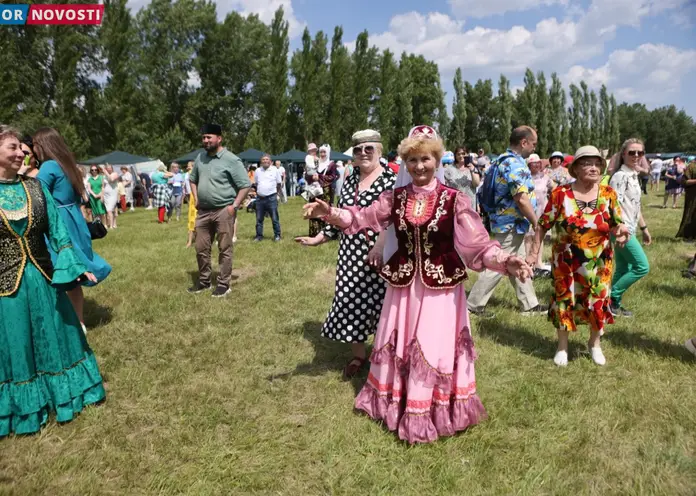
{"x": 146, "y": 82}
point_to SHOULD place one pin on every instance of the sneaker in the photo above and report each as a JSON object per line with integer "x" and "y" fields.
{"x": 598, "y": 356}
{"x": 221, "y": 291}
{"x": 481, "y": 313}
{"x": 690, "y": 345}
{"x": 199, "y": 288}
{"x": 619, "y": 311}
{"x": 277, "y": 238}
{"x": 258, "y": 239}
{"x": 537, "y": 310}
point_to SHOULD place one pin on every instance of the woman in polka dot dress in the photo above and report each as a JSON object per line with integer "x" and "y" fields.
{"x": 360, "y": 291}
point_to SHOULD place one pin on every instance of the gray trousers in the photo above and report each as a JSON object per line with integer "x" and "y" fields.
{"x": 488, "y": 280}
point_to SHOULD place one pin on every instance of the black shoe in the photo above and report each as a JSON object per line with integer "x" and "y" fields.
{"x": 481, "y": 313}
{"x": 221, "y": 291}
{"x": 257, "y": 239}
{"x": 537, "y": 310}
{"x": 619, "y": 311}
{"x": 199, "y": 288}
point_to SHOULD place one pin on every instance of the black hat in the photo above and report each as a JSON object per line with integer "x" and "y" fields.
{"x": 212, "y": 129}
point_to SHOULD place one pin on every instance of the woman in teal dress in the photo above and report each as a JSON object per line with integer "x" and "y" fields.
{"x": 95, "y": 186}
{"x": 46, "y": 365}
{"x": 62, "y": 177}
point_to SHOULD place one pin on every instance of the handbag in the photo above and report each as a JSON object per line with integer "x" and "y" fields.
{"x": 96, "y": 228}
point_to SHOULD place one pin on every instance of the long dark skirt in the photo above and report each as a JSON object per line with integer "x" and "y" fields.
{"x": 687, "y": 229}
{"x": 317, "y": 225}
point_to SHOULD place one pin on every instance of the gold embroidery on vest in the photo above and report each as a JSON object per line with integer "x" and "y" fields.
{"x": 432, "y": 226}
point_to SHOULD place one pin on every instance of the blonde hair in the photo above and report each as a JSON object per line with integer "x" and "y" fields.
{"x": 617, "y": 159}
{"x": 410, "y": 146}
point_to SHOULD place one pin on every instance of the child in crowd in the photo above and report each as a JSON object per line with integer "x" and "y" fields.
{"x": 313, "y": 189}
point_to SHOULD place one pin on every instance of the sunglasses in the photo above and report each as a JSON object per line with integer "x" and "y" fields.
{"x": 94, "y": 170}
{"x": 636, "y": 153}
{"x": 367, "y": 150}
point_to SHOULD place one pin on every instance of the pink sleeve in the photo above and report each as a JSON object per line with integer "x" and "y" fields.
{"x": 352, "y": 220}
{"x": 472, "y": 241}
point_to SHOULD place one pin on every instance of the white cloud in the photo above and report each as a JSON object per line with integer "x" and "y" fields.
{"x": 478, "y": 8}
{"x": 264, "y": 8}
{"x": 416, "y": 27}
{"x": 647, "y": 74}
{"x": 508, "y": 51}
{"x": 550, "y": 45}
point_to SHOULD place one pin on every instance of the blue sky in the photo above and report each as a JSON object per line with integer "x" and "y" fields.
{"x": 643, "y": 50}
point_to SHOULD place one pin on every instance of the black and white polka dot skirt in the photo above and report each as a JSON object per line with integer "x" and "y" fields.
{"x": 357, "y": 303}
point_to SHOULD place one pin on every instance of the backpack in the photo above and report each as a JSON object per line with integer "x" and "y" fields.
{"x": 487, "y": 200}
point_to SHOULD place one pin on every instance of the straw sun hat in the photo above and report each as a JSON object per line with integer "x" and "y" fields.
{"x": 583, "y": 151}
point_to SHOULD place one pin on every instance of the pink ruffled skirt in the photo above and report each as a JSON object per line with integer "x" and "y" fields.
{"x": 422, "y": 382}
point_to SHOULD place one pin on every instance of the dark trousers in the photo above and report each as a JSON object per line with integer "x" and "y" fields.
{"x": 267, "y": 204}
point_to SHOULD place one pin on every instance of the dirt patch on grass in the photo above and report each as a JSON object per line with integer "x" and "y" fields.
{"x": 242, "y": 274}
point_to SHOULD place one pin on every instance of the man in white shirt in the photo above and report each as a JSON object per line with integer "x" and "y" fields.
{"x": 655, "y": 173}
{"x": 268, "y": 181}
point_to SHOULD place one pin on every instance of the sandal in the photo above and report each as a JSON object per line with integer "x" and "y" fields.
{"x": 353, "y": 367}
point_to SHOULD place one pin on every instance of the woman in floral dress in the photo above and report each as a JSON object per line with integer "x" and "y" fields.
{"x": 586, "y": 215}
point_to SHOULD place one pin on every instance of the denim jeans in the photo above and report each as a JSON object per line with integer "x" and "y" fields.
{"x": 267, "y": 204}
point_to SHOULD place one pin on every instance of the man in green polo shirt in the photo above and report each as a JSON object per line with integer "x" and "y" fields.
{"x": 219, "y": 184}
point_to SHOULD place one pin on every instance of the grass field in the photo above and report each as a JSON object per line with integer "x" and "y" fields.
{"x": 242, "y": 396}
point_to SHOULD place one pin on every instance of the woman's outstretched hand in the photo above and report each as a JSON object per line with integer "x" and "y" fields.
{"x": 518, "y": 268}
{"x": 316, "y": 209}
{"x": 307, "y": 241}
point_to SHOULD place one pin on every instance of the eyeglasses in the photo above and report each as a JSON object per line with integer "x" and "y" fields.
{"x": 367, "y": 150}
{"x": 636, "y": 153}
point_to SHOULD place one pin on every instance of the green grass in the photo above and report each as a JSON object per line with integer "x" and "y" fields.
{"x": 242, "y": 396}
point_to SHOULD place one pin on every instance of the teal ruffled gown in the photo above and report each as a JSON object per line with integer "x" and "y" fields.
{"x": 46, "y": 365}
{"x": 68, "y": 204}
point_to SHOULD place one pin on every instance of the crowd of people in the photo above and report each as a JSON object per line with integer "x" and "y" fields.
{"x": 409, "y": 228}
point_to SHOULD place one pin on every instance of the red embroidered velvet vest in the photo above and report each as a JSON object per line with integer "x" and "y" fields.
{"x": 424, "y": 225}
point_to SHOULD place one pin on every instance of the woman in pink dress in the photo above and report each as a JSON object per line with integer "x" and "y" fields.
{"x": 421, "y": 380}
